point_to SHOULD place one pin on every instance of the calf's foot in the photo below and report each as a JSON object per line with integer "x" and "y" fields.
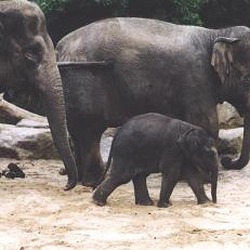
{"x": 164, "y": 204}
{"x": 203, "y": 201}
{"x": 147, "y": 202}
{"x": 99, "y": 198}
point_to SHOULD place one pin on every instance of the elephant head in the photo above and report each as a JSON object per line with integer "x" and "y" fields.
{"x": 199, "y": 149}
{"x": 231, "y": 60}
{"x": 27, "y": 61}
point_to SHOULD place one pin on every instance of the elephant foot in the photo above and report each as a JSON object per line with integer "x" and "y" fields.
{"x": 93, "y": 183}
{"x": 99, "y": 203}
{"x": 164, "y": 204}
{"x": 93, "y": 177}
{"x": 147, "y": 202}
{"x": 70, "y": 185}
{"x": 98, "y": 199}
{"x": 203, "y": 201}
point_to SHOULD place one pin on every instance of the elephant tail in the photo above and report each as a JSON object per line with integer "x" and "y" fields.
{"x": 107, "y": 165}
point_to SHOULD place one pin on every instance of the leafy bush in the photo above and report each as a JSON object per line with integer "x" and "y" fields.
{"x": 50, "y": 5}
{"x": 188, "y": 11}
{"x": 64, "y": 16}
{"x": 179, "y": 11}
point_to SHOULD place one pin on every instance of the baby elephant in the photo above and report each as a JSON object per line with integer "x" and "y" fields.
{"x": 152, "y": 143}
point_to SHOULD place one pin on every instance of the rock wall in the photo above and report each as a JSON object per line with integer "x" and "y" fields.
{"x": 228, "y": 116}
{"x": 27, "y": 142}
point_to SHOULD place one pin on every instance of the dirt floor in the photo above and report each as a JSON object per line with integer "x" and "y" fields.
{"x": 36, "y": 213}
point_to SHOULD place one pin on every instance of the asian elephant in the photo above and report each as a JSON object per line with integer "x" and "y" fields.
{"x": 152, "y": 143}
{"x": 116, "y": 68}
{"x": 28, "y": 61}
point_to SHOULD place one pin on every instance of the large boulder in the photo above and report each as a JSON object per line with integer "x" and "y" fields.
{"x": 26, "y": 142}
{"x": 231, "y": 129}
{"x": 31, "y": 139}
{"x": 230, "y": 141}
{"x": 228, "y": 116}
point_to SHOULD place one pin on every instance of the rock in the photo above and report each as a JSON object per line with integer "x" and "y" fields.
{"x": 13, "y": 171}
{"x": 231, "y": 132}
{"x": 26, "y": 143}
{"x": 230, "y": 141}
{"x": 28, "y": 123}
{"x": 110, "y": 132}
{"x": 228, "y": 116}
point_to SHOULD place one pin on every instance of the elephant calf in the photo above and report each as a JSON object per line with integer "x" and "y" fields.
{"x": 152, "y": 143}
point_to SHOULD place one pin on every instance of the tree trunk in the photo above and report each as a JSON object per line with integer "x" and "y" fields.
{"x": 10, "y": 113}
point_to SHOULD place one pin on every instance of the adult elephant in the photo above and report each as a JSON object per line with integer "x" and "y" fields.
{"x": 151, "y": 66}
{"x": 28, "y": 61}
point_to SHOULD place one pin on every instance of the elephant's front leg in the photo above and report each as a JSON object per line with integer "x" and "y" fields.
{"x": 89, "y": 161}
{"x": 196, "y": 183}
{"x": 168, "y": 182}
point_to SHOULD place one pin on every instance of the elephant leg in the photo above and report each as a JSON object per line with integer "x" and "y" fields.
{"x": 92, "y": 165}
{"x": 141, "y": 191}
{"x": 168, "y": 183}
{"x": 87, "y": 152}
{"x": 196, "y": 183}
{"x": 107, "y": 187}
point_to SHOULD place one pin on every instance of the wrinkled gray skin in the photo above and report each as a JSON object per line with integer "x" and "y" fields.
{"x": 152, "y": 143}
{"x": 27, "y": 61}
{"x": 181, "y": 71}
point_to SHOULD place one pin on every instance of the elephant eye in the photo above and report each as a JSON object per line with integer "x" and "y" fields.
{"x": 33, "y": 55}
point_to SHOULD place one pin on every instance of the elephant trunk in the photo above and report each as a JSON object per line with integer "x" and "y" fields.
{"x": 52, "y": 92}
{"x": 244, "y": 156}
{"x": 214, "y": 180}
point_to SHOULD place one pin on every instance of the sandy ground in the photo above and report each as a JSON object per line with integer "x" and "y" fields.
{"x": 36, "y": 213}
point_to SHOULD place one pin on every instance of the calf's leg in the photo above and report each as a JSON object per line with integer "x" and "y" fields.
{"x": 141, "y": 191}
{"x": 168, "y": 183}
{"x": 103, "y": 191}
{"x": 196, "y": 183}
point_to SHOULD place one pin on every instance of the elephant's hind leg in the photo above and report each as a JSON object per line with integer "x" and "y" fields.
{"x": 141, "y": 192}
{"x": 87, "y": 151}
{"x": 94, "y": 166}
{"x": 107, "y": 187}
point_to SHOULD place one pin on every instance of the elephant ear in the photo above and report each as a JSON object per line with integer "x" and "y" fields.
{"x": 222, "y": 56}
{"x": 189, "y": 142}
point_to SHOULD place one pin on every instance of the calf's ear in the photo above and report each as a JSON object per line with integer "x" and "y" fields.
{"x": 188, "y": 142}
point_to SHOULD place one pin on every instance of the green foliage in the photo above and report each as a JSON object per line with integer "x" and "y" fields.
{"x": 64, "y": 16}
{"x": 112, "y": 3}
{"x": 178, "y": 11}
{"x": 188, "y": 11}
{"x": 50, "y": 5}
{"x": 117, "y": 7}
